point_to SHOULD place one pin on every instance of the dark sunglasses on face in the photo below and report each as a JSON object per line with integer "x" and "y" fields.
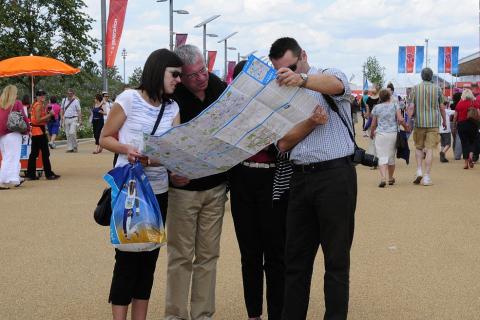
{"x": 293, "y": 67}
{"x": 176, "y": 74}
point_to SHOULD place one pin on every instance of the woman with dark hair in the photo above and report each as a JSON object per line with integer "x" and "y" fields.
{"x": 53, "y": 124}
{"x": 26, "y": 104}
{"x": 260, "y": 228}
{"x": 148, "y": 109}
{"x": 97, "y": 121}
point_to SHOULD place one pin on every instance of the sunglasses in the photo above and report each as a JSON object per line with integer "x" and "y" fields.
{"x": 176, "y": 74}
{"x": 293, "y": 67}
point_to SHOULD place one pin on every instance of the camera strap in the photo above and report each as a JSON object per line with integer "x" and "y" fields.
{"x": 334, "y": 107}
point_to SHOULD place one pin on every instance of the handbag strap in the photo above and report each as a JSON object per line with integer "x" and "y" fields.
{"x": 160, "y": 115}
{"x": 334, "y": 107}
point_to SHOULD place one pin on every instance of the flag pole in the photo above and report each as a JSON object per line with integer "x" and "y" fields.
{"x": 104, "y": 45}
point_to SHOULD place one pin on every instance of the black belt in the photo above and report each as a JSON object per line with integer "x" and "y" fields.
{"x": 71, "y": 117}
{"x": 324, "y": 165}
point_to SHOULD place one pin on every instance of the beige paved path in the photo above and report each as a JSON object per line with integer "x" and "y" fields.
{"x": 416, "y": 253}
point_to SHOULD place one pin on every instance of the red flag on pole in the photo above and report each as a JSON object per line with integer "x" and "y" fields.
{"x": 180, "y": 39}
{"x": 211, "y": 60}
{"x": 231, "y": 66}
{"x": 116, "y": 17}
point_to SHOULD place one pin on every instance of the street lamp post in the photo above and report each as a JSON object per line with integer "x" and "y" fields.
{"x": 245, "y": 56}
{"x": 124, "y": 55}
{"x": 204, "y": 25}
{"x": 171, "y": 19}
{"x": 226, "y": 47}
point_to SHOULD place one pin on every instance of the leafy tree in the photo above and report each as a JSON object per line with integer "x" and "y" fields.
{"x": 54, "y": 28}
{"x": 374, "y": 72}
{"x": 134, "y": 79}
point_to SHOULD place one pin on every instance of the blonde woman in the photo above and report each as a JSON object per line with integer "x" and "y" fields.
{"x": 467, "y": 128}
{"x": 385, "y": 118}
{"x": 10, "y": 142}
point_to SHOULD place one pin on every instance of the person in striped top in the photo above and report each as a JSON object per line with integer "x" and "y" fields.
{"x": 427, "y": 99}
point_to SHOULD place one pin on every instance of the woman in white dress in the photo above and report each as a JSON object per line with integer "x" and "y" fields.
{"x": 385, "y": 119}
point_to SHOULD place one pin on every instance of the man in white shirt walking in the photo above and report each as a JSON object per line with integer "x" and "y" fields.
{"x": 71, "y": 118}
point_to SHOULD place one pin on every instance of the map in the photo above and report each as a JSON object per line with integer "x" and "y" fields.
{"x": 253, "y": 112}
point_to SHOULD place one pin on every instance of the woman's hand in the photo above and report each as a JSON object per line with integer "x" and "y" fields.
{"x": 178, "y": 181}
{"x": 319, "y": 116}
{"x": 133, "y": 154}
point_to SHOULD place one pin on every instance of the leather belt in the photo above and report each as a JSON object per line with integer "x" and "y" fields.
{"x": 324, "y": 165}
{"x": 71, "y": 117}
{"x": 258, "y": 165}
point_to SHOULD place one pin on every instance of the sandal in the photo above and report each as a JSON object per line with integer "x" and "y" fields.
{"x": 391, "y": 181}
{"x": 382, "y": 184}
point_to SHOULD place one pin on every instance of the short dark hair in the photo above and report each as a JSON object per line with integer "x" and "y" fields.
{"x": 282, "y": 45}
{"x": 26, "y": 100}
{"x": 390, "y": 86}
{"x": 427, "y": 74}
{"x": 53, "y": 99}
{"x": 98, "y": 97}
{"x": 154, "y": 70}
{"x": 384, "y": 95}
{"x": 238, "y": 68}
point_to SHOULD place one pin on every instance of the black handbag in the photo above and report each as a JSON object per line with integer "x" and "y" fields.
{"x": 103, "y": 212}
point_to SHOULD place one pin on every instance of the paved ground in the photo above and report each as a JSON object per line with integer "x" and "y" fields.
{"x": 415, "y": 255}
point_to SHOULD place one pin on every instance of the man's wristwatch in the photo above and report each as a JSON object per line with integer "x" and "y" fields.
{"x": 304, "y": 77}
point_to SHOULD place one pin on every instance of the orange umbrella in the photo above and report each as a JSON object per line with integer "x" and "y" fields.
{"x": 34, "y": 66}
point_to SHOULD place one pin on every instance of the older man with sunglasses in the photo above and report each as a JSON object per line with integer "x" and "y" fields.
{"x": 196, "y": 207}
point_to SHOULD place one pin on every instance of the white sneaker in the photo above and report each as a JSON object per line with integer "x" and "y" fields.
{"x": 426, "y": 181}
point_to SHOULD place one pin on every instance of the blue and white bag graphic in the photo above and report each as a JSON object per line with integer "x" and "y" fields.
{"x": 136, "y": 223}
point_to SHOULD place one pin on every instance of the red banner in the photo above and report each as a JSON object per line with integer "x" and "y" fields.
{"x": 231, "y": 66}
{"x": 448, "y": 59}
{"x": 180, "y": 39}
{"x": 116, "y": 17}
{"x": 410, "y": 58}
{"x": 211, "y": 60}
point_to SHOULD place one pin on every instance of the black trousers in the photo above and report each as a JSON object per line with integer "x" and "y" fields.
{"x": 97, "y": 125}
{"x": 321, "y": 211}
{"x": 39, "y": 143}
{"x": 468, "y": 132}
{"x": 260, "y": 231}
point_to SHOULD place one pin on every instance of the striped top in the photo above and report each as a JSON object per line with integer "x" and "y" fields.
{"x": 283, "y": 173}
{"x": 427, "y": 98}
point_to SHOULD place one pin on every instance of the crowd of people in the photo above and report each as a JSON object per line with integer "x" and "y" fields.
{"x": 44, "y": 119}
{"x": 286, "y": 201}
{"x": 432, "y": 119}
{"x": 277, "y": 223}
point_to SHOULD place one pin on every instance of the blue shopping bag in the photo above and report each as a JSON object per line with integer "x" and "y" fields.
{"x": 136, "y": 223}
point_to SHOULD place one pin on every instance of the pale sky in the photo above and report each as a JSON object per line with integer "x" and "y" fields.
{"x": 334, "y": 33}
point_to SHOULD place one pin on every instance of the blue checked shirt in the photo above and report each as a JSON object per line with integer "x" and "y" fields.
{"x": 331, "y": 140}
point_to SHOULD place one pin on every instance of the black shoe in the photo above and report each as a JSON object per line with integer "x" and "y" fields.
{"x": 53, "y": 177}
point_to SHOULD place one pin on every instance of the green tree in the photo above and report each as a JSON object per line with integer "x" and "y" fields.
{"x": 54, "y": 28}
{"x": 374, "y": 72}
{"x": 134, "y": 79}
